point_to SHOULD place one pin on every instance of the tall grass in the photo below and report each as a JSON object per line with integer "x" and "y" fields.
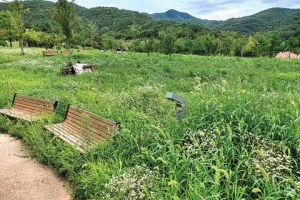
{"x": 239, "y": 139}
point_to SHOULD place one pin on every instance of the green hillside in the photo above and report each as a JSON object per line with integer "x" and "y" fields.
{"x": 290, "y": 27}
{"x": 265, "y": 20}
{"x": 181, "y": 17}
{"x": 107, "y": 19}
{"x": 115, "y": 20}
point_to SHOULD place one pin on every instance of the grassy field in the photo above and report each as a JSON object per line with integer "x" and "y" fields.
{"x": 239, "y": 139}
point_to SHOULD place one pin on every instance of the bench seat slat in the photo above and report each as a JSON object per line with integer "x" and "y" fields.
{"x": 65, "y": 135}
{"x": 59, "y": 130}
{"x": 18, "y": 114}
{"x": 100, "y": 134}
{"x": 83, "y": 136}
{"x": 82, "y": 128}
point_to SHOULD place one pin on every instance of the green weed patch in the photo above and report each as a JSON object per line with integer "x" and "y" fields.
{"x": 239, "y": 139}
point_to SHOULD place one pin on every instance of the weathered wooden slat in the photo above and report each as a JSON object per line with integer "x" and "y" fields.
{"x": 32, "y": 107}
{"x": 97, "y": 122}
{"x": 17, "y": 114}
{"x": 87, "y": 121}
{"x": 106, "y": 121}
{"x": 30, "y": 98}
{"x": 79, "y": 132}
{"x": 82, "y": 128}
{"x": 63, "y": 134}
{"x": 32, "y": 102}
{"x": 76, "y": 125}
{"x": 84, "y": 131}
{"x": 67, "y": 131}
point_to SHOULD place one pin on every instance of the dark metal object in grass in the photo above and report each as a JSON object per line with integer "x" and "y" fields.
{"x": 77, "y": 68}
{"x": 180, "y": 104}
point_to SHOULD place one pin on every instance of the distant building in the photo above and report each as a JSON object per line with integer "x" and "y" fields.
{"x": 287, "y": 55}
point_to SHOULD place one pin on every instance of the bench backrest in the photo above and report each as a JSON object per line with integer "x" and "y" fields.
{"x": 88, "y": 126}
{"x": 33, "y": 105}
{"x": 50, "y": 53}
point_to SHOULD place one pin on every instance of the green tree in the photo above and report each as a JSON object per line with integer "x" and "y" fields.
{"x": 92, "y": 29}
{"x": 64, "y": 14}
{"x": 228, "y": 43}
{"x": 149, "y": 45}
{"x": 107, "y": 41}
{"x": 7, "y": 27}
{"x": 188, "y": 46}
{"x": 251, "y": 47}
{"x": 275, "y": 42}
{"x": 210, "y": 44}
{"x": 18, "y": 11}
{"x": 167, "y": 40}
{"x": 47, "y": 40}
{"x": 199, "y": 46}
{"x": 133, "y": 33}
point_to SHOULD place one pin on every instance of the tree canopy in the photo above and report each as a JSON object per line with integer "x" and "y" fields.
{"x": 64, "y": 14}
{"x": 17, "y": 13}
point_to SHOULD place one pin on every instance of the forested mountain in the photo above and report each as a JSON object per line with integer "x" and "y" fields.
{"x": 117, "y": 21}
{"x": 289, "y": 28}
{"x": 114, "y": 20}
{"x": 264, "y": 20}
{"x": 107, "y": 19}
{"x": 174, "y": 15}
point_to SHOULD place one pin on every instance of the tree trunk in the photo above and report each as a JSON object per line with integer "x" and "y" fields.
{"x": 68, "y": 46}
{"x": 22, "y": 46}
{"x": 10, "y": 42}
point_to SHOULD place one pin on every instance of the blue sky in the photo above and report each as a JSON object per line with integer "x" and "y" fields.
{"x": 204, "y": 9}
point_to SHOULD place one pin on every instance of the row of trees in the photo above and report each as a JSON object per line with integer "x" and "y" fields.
{"x": 162, "y": 36}
{"x": 225, "y": 43}
{"x": 12, "y": 25}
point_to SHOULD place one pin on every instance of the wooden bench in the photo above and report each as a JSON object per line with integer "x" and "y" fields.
{"x": 29, "y": 108}
{"x": 64, "y": 52}
{"x": 50, "y": 53}
{"x": 82, "y": 129}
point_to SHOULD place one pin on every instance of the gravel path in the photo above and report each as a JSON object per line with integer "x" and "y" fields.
{"x": 24, "y": 178}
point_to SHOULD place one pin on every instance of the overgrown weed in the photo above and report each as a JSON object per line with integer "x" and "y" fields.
{"x": 238, "y": 140}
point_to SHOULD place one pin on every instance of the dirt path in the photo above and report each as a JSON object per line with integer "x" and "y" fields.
{"x": 24, "y": 178}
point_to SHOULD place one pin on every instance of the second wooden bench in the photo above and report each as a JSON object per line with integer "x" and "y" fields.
{"x": 83, "y": 129}
{"x": 50, "y": 53}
